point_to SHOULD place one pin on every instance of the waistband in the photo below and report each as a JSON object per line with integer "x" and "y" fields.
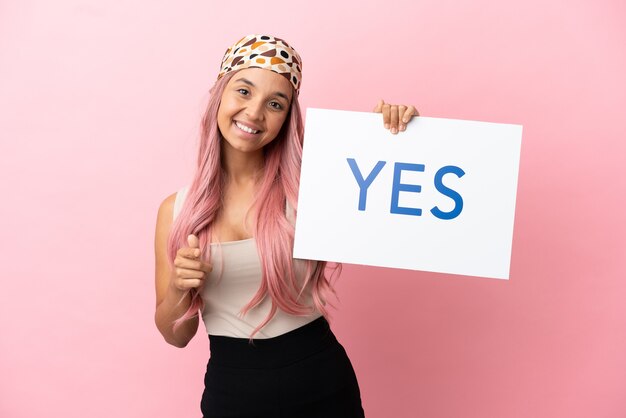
{"x": 272, "y": 352}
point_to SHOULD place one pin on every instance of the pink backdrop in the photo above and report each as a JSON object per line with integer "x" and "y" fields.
{"x": 99, "y": 107}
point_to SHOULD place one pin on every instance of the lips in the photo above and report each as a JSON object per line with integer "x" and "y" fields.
{"x": 246, "y": 128}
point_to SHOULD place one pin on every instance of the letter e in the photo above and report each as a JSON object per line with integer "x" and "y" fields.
{"x": 401, "y": 187}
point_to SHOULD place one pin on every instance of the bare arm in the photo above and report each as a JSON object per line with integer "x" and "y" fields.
{"x": 171, "y": 301}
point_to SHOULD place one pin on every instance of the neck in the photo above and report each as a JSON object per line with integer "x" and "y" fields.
{"x": 242, "y": 167}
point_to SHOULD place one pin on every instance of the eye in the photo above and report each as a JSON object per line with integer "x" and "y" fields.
{"x": 276, "y": 105}
{"x": 243, "y": 91}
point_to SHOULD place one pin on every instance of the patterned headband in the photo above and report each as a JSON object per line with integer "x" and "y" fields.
{"x": 264, "y": 51}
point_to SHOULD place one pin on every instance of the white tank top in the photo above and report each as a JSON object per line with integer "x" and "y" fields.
{"x": 238, "y": 264}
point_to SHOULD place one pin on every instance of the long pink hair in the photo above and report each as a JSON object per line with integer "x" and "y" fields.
{"x": 273, "y": 232}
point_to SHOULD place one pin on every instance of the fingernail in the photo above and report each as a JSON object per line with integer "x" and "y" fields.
{"x": 394, "y": 130}
{"x": 402, "y": 127}
{"x": 405, "y": 120}
{"x": 386, "y": 126}
{"x": 196, "y": 253}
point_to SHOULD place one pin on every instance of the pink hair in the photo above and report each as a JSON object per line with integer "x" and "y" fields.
{"x": 273, "y": 232}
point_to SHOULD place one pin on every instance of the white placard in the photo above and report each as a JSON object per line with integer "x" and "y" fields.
{"x": 438, "y": 197}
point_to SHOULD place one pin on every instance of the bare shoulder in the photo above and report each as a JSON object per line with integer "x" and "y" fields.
{"x": 166, "y": 209}
{"x": 163, "y": 226}
{"x": 164, "y": 221}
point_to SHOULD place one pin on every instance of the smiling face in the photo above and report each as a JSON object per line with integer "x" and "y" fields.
{"x": 253, "y": 108}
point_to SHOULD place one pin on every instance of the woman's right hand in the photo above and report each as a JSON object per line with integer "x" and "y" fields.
{"x": 190, "y": 271}
{"x": 395, "y": 117}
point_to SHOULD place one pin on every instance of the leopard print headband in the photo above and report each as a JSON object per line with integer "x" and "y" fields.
{"x": 264, "y": 51}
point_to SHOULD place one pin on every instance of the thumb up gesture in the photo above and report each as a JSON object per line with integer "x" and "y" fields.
{"x": 190, "y": 271}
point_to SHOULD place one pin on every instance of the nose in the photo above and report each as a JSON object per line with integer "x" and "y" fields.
{"x": 254, "y": 109}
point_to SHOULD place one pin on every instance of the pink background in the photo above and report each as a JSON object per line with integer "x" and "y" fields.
{"x": 99, "y": 108}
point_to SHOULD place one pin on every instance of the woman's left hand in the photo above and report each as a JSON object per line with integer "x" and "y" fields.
{"x": 395, "y": 117}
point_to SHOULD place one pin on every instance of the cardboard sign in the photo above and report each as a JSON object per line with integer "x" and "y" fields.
{"x": 437, "y": 197}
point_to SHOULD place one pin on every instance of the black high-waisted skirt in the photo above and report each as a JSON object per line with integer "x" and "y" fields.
{"x": 304, "y": 373}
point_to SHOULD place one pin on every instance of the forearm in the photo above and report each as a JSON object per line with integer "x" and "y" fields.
{"x": 172, "y": 307}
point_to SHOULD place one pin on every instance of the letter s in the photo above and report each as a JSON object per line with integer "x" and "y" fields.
{"x": 446, "y": 191}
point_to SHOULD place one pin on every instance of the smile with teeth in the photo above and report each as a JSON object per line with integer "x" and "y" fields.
{"x": 245, "y": 128}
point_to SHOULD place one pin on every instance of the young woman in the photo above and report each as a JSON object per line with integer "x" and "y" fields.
{"x": 223, "y": 249}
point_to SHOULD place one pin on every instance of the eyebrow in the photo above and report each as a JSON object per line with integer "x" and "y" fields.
{"x": 250, "y": 83}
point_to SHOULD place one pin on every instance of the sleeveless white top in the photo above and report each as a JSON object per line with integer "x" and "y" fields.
{"x": 233, "y": 282}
